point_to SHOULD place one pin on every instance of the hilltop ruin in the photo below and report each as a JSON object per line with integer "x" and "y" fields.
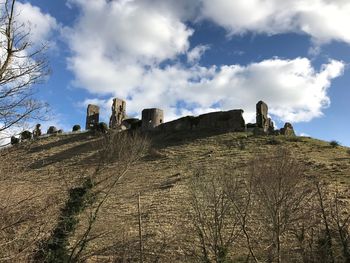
{"x": 153, "y": 120}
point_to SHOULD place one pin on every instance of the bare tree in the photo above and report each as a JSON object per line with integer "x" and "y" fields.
{"x": 328, "y": 242}
{"x": 239, "y": 191}
{"x": 281, "y": 191}
{"x": 341, "y": 217}
{"x": 22, "y": 65}
{"x": 213, "y": 218}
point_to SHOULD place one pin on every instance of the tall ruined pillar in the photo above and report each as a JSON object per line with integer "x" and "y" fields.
{"x": 262, "y": 121}
{"x": 118, "y": 113}
{"x": 92, "y": 117}
{"x": 151, "y": 118}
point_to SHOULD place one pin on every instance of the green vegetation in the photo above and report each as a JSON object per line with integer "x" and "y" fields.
{"x": 55, "y": 249}
{"x": 76, "y": 128}
{"x": 26, "y": 135}
{"x": 334, "y": 144}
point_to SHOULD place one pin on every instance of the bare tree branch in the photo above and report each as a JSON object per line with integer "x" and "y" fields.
{"x": 21, "y": 67}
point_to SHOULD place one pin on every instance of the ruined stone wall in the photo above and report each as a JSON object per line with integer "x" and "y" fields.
{"x": 118, "y": 113}
{"x": 151, "y": 118}
{"x": 262, "y": 121}
{"x": 223, "y": 121}
{"x": 92, "y": 116}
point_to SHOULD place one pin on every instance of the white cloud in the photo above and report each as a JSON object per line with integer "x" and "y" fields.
{"x": 195, "y": 54}
{"x": 39, "y": 24}
{"x": 293, "y": 89}
{"x": 118, "y": 48}
{"x": 127, "y": 30}
{"x": 323, "y": 20}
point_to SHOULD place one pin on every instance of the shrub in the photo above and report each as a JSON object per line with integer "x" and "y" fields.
{"x": 76, "y": 128}
{"x": 334, "y": 144}
{"x": 348, "y": 151}
{"x": 102, "y": 127}
{"x": 14, "y": 140}
{"x": 52, "y": 130}
{"x": 26, "y": 135}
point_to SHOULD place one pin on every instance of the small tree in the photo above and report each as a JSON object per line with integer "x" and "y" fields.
{"x": 213, "y": 218}
{"x": 21, "y": 66}
{"x": 281, "y": 190}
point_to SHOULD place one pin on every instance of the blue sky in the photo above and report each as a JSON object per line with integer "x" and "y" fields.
{"x": 191, "y": 57}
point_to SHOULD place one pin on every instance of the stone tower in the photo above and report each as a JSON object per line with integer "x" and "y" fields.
{"x": 118, "y": 113}
{"x": 151, "y": 118}
{"x": 262, "y": 121}
{"x": 92, "y": 116}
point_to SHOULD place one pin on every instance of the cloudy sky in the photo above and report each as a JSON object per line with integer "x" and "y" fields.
{"x": 194, "y": 56}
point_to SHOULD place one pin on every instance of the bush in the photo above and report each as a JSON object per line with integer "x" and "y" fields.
{"x": 14, "y": 140}
{"x": 52, "y": 130}
{"x": 76, "y": 128}
{"x": 334, "y": 144}
{"x": 102, "y": 127}
{"x": 26, "y": 135}
{"x": 348, "y": 151}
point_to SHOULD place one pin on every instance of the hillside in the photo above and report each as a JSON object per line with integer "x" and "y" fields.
{"x": 36, "y": 177}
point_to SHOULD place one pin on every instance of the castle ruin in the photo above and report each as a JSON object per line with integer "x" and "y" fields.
{"x": 223, "y": 121}
{"x": 153, "y": 120}
{"x": 118, "y": 113}
{"x": 262, "y": 120}
{"x": 92, "y": 117}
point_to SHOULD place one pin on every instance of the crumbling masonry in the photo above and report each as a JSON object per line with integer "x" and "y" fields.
{"x": 153, "y": 120}
{"x": 118, "y": 113}
{"x": 92, "y": 117}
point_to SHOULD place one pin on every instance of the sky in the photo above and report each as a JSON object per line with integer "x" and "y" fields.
{"x": 192, "y": 57}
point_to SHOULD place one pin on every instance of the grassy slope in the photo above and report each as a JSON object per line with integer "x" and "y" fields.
{"x": 46, "y": 169}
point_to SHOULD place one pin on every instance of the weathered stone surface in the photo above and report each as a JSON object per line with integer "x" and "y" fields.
{"x": 271, "y": 128}
{"x": 118, "y": 113}
{"x": 287, "y": 130}
{"x": 52, "y": 130}
{"x": 257, "y": 131}
{"x": 223, "y": 121}
{"x": 250, "y": 127}
{"x": 262, "y": 121}
{"x": 132, "y": 123}
{"x": 37, "y": 131}
{"x": 92, "y": 117}
{"x": 151, "y": 118}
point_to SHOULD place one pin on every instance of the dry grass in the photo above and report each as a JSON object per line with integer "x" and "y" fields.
{"x": 46, "y": 169}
